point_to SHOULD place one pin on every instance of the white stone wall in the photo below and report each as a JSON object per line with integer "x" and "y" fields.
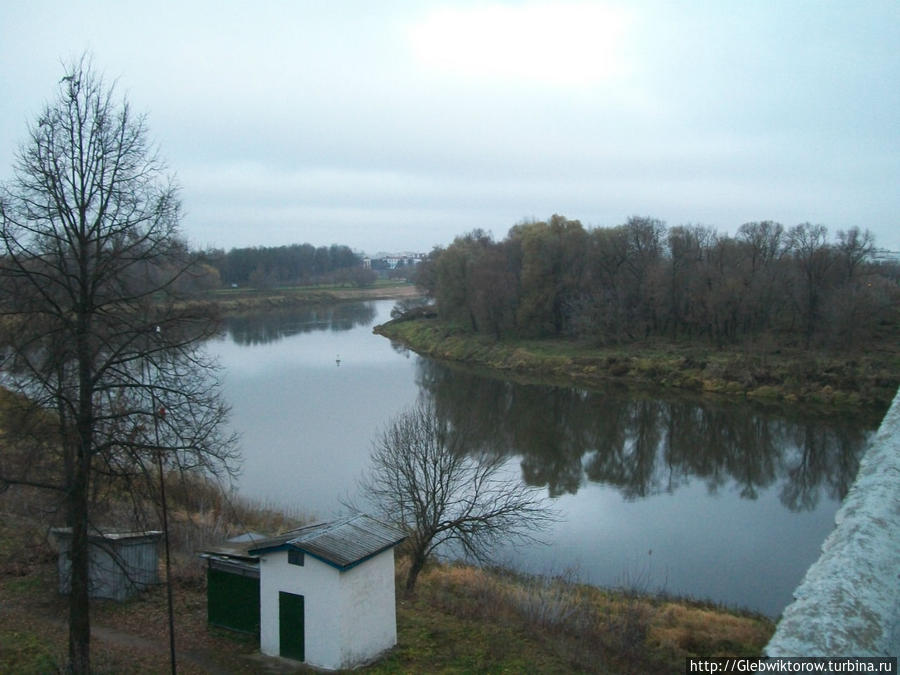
{"x": 350, "y": 616}
{"x": 849, "y": 601}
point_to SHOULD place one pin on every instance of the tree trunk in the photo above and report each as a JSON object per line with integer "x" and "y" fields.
{"x": 79, "y": 600}
{"x": 417, "y": 563}
{"x": 79, "y": 592}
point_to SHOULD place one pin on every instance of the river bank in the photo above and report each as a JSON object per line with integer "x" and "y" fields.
{"x": 863, "y": 379}
{"x": 235, "y": 301}
{"x": 461, "y": 618}
{"x": 841, "y": 381}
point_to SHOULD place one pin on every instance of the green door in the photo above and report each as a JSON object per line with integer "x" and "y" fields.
{"x": 232, "y": 601}
{"x": 290, "y": 625}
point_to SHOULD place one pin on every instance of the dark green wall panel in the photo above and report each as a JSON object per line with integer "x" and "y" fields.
{"x": 232, "y": 601}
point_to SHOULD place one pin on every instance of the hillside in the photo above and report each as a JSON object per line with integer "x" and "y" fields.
{"x": 461, "y": 619}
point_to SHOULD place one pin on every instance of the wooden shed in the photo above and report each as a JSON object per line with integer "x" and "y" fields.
{"x": 327, "y": 592}
{"x": 121, "y": 563}
{"x": 232, "y": 585}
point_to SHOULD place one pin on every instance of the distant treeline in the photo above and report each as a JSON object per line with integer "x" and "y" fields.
{"x": 641, "y": 280}
{"x": 265, "y": 267}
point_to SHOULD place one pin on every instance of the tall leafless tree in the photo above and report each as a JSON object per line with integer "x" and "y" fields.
{"x": 426, "y": 479}
{"x": 813, "y": 258}
{"x": 96, "y": 339}
{"x": 854, "y": 248}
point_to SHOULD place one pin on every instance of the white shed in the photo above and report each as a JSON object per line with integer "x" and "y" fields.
{"x": 327, "y": 594}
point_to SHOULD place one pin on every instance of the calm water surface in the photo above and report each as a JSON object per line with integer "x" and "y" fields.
{"x": 713, "y": 499}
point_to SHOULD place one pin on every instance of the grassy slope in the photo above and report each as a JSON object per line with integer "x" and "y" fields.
{"x": 461, "y": 619}
{"x": 861, "y": 379}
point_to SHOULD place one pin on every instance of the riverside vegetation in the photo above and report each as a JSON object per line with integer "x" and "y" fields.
{"x": 232, "y": 302}
{"x": 464, "y": 618}
{"x": 772, "y": 313}
{"x": 762, "y": 370}
{"x": 460, "y": 619}
{"x": 792, "y": 376}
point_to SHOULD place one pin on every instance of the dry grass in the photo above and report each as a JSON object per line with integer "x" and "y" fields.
{"x": 461, "y": 618}
{"x": 682, "y": 628}
{"x": 584, "y": 627}
{"x": 129, "y": 637}
{"x": 203, "y": 514}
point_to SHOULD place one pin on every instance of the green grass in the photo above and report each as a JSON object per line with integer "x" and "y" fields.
{"x": 27, "y": 651}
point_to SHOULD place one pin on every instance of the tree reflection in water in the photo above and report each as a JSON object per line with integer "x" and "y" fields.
{"x": 645, "y": 445}
{"x": 264, "y": 327}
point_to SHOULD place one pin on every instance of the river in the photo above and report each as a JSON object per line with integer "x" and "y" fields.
{"x": 715, "y": 499}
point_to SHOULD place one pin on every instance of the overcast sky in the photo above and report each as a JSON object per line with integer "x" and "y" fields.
{"x": 391, "y": 126}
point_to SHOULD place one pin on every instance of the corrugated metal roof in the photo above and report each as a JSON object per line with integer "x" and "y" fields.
{"x": 98, "y": 535}
{"x": 247, "y": 538}
{"x": 241, "y": 547}
{"x": 342, "y": 543}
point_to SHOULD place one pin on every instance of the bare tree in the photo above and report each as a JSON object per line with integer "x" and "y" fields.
{"x": 814, "y": 258}
{"x": 425, "y": 479}
{"x": 854, "y": 248}
{"x": 96, "y": 340}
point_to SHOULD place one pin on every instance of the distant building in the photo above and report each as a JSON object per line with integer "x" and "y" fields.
{"x": 882, "y": 255}
{"x": 395, "y": 260}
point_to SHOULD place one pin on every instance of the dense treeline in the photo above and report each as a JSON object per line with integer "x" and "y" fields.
{"x": 642, "y": 279}
{"x": 265, "y": 267}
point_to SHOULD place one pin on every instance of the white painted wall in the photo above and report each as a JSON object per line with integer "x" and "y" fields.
{"x": 368, "y": 610}
{"x": 319, "y": 584}
{"x": 350, "y": 616}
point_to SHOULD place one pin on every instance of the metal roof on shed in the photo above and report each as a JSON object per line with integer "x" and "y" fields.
{"x": 342, "y": 543}
{"x": 239, "y": 548}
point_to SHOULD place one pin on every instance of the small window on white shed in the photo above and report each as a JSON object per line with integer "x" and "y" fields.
{"x": 295, "y": 557}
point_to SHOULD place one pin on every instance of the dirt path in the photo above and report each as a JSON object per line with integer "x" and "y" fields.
{"x": 183, "y": 657}
{"x": 118, "y": 647}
